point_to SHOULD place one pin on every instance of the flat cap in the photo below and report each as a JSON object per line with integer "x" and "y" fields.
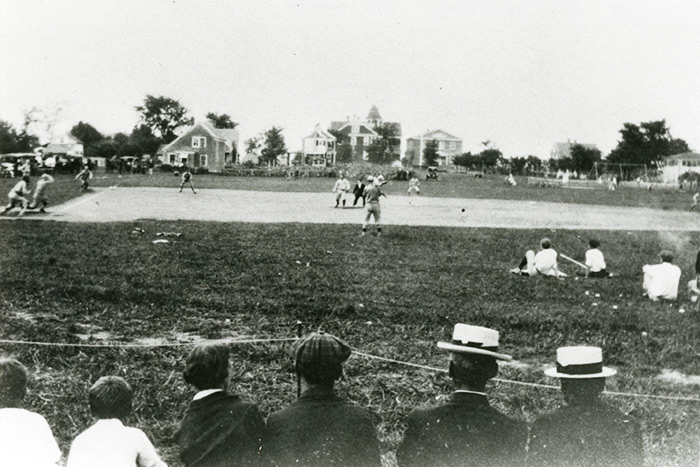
{"x": 319, "y": 349}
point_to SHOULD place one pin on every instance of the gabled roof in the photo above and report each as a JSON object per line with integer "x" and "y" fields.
{"x": 54, "y": 148}
{"x": 320, "y": 133}
{"x": 437, "y": 134}
{"x": 364, "y": 129}
{"x": 227, "y": 135}
{"x": 683, "y": 156}
{"x": 373, "y": 114}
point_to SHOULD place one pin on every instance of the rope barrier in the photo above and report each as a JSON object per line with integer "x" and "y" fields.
{"x": 362, "y": 354}
{"x": 127, "y": 346}
{"x": 523, "y": 383}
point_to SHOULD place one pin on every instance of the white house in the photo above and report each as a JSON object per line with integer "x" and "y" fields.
{"x": 318, "y": 148}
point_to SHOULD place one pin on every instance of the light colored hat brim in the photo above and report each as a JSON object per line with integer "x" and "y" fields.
{"x": 474, "y": 350}
{"x": 603, "y": 374}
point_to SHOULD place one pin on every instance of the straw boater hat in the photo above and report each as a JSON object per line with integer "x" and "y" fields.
{"x": 475, "y": 340}
{"x": 579, "y": 362}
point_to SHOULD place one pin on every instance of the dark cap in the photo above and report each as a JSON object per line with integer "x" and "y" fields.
{"x": 320, "y": 349}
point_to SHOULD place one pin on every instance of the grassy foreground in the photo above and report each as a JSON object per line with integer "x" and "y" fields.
{"x": 393, "y": 296}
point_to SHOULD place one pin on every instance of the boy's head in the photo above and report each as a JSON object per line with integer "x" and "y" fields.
{"x": 546, "y": 243}
{"x": 110, "y": 397}
{"x": 13, "y": 382}
{"x": 25, "y": 178}
{"x": 206, "y": 367}
{"x": 594, "y": 243}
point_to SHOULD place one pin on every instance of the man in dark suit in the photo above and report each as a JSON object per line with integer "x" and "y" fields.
{"x": 585, "y": 432}
{"x": 359, "y": 192}
{"x": 321, "y": 429}
{"x": 465, "y": 431}
{"x": 219, "y": 429}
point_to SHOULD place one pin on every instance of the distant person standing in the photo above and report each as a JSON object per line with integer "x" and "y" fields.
{"x": 187, "y": 179}
{"x": 40, "y": 197}
{"x": 696, "y": 198}
{"x": 413, "y": 186}
{"x": 341, "y": 187}
{"x": 372, "y": 194}
{"x": 84, "y": 176}
{"x": 359, "y": 192}
{"x": 150, "y": 166}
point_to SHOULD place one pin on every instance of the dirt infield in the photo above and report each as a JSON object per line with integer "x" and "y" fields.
{"x": 131, "y": 204}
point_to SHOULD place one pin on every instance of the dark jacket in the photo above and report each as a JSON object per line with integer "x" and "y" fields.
{"x": 358, "y": 190}
{"x": 220, "y": 430}
{"x": 321, "y": 429}
{"x": 594, "y": 435}
{"x": 466, "y": 431}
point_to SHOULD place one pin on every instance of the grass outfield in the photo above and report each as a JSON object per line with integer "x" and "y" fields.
{"x": 393, "y": 296}
{"x": 449, "y": 185}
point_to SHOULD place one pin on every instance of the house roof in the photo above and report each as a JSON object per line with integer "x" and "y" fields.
{"x": 227, "y": 135}
{"x": 320, "y": 133}
{"x": 373, "y": 114}
{"x": 55, "y": 148}
{"x": 683, "y": 156}
{"x": 437, "y": 134}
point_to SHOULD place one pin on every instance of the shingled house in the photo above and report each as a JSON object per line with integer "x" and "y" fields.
{"x": 202, "y": 146}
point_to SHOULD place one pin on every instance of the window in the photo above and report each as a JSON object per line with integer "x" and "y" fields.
{"x": 199, "y": 142}
{"x": 442, "y": 145}
{"x": 203, "y": 160}
{"x": 171, "y": 158}
{"x": 453, "y": 145}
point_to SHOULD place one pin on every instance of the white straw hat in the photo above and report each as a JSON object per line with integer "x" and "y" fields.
{"x": 474, "y": 339}
{"x": 580, "y": 362}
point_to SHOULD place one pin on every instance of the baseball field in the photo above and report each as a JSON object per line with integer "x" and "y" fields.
{"x": 245, "y": 259}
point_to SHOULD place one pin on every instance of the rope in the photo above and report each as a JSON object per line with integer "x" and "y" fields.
{"x": 535, "y": 385}
{"x": 128, "y": 346}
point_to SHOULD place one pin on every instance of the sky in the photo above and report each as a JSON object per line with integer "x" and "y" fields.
{"x": 520, "y": 74}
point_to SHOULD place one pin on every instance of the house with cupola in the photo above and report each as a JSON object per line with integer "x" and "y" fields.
{"x": 355, "y": 135}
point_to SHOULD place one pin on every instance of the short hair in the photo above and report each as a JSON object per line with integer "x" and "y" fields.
{"x": 666, "y": 256}
{"x": 13, "y": 382}
{"x": 594, "y": 243}
{"x": 110, "y": 397}
{"x": 25, "y": 178}
{"x": 546, "y": 243}
{"x": 206, "y": 367}
{"x": 472, "y": 369}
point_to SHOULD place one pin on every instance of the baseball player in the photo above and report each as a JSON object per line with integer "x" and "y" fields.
{"x": 341, "y": 187}
{"x": 40, "y": 197}
{"x": 18, "y": 196}
{"x": 187, "y": 178}
{"x": 84, "y": 176}
{"x": 372, "y": 194}
{"x": 413, "y": 186}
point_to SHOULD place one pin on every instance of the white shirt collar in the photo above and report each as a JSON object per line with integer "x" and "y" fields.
{"x": 205, "y": 393}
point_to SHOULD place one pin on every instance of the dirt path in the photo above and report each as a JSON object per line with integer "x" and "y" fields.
{"x": 130, "y": 204}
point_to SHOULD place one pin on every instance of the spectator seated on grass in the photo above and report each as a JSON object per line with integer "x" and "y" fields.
{"x": 661, "y": 280}
{"x": 595, "y": 262}
{"x": 466, "y": 430}
{"x": 108, "y": 443}
{"x": 585, "y": 432}
{"x": 543, "y": 263}
{"x": 321, "y": 429}
{"x": 25, "y": 437}
{"x": 219, "y": 428}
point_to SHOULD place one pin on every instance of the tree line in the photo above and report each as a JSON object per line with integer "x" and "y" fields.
{"x": 160, "y": 118}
